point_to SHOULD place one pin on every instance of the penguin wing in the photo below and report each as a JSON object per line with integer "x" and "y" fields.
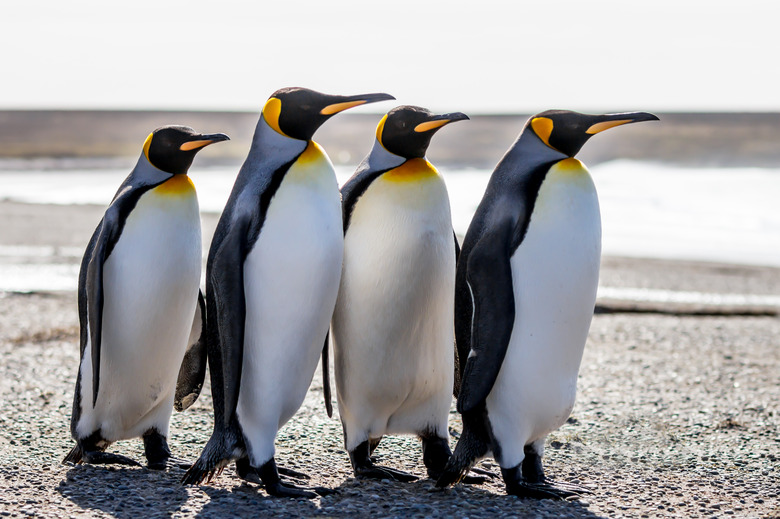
{"x": 225, "y": 291}
{"x": 104, "y": 239}
{"x": 353, "y": 190}
{"x": 489, "y": 279}
{"x": 326, "y": 377}
{"x": 192, "y": 372}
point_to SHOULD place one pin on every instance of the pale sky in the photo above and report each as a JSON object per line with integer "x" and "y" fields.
{"x": 475, "y": 56}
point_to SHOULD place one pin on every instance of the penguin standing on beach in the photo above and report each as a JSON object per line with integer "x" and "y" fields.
{"x": 392, "y": 331}
{"x": 271, "y": 284}
{"x": 138, "y": 292}
{"x": 525, "y": 292}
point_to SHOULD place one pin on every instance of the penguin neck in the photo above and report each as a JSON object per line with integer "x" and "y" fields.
{"x": 379, "y": 160}
{"x": 143, "y": 174}
{"x": 267, "y": 144}
{"x": 531, "y": 151}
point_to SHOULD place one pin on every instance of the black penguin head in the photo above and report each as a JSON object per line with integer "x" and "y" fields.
{"x": 298, "y": 112}
{"x": 407, "y": 130}
{"x": 567, "y": 131}
{"x": 172, "y": 148}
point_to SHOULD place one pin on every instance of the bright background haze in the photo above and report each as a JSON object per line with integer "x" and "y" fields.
{"x": 480, "y": 57}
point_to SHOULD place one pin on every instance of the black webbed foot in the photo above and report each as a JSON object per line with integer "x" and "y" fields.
{"x": 516, "y": 485}
{"x": 436, "y": 454}
{"x": 158, "y": 455}
{"x": 268, "y": 477}
{"x": 364, "y": 467}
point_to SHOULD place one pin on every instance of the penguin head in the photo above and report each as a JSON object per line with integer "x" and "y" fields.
{"x": 567, "y": 131}
{"x": 298, "y": 112}
{"x": 172, "y": 148}
{"x": 406, "y": 131}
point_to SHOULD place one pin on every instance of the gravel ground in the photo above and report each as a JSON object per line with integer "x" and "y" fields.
{"x": 676, "y": 416}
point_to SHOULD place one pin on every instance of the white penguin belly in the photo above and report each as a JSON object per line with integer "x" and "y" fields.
{"x": 150, "y": 288}
{"x": 555, "y": 276}
{"x": 392, "y": 328}
{"x": 291, "y": 279}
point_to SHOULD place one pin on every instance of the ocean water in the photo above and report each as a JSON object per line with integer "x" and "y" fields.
{"x": 729, "y": 215}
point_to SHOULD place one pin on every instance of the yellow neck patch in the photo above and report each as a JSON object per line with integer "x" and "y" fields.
{"x": 177, "y": 185}
{"x": 271, "y": 112}
{"x": 413, "y": 170}
{"x": 312, "y": 153}
{"x": 571, "y": 165}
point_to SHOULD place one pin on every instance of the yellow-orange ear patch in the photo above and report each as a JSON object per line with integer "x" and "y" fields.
{"x": 379, "y": 129}
{"x": 542, "y": 127}
{"x": 271, "y": 112}
{"x": 147, "y": 144}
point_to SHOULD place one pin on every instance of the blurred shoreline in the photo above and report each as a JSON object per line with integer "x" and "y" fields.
{"x": 685, "y": 139}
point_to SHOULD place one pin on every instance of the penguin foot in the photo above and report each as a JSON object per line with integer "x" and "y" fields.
{"x": 542, "y": 489}
{"x": 539, "y": 491}
{"x": 268, "y": 476}
{"x": 292, "y": 473}
{"x": 280, "y": 489}
{"x": 169, "y": 463}
{"x": 107, "y": 458}
{"x": 483, "y": 472}
{"x": 565, "y": 485}
{"x": 200, "y": 471}
{"x": 376, "y": 472}
{"x": 363, "y": 465}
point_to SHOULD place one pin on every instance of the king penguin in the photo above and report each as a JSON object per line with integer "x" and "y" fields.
{"x": 271, "y": 284}
{"x": 138, "y": 292}
{"x": 525, "y": 292}
{"x": 392, "y": 331}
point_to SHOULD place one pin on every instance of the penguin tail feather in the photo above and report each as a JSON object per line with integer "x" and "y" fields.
{"x": 74, "y": 456}
{"x": 469, "y": 450}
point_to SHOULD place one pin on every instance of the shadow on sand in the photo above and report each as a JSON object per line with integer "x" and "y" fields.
{"x": 128, "y": 493}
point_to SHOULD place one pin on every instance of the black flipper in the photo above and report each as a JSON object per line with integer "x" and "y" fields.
{"x": 326, "y": 377}
{"x": 489, "y": 277}
{"x": 94, "y": 288}
{"x": 193, "y": 367}
{"x": 226, "y": 324}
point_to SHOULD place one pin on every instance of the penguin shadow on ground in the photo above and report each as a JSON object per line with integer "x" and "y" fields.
{"x": 421, "y": 498}
{"x": 125, "y": 493}
{"x": 250, "y": 500}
